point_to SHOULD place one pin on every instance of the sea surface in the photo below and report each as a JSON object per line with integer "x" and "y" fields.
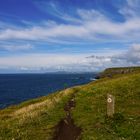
{"x": 16, "y": 88}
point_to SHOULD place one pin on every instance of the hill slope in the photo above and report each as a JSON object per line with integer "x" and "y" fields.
{"x": 110, "y": 72}
{"x": 37, "y": 119}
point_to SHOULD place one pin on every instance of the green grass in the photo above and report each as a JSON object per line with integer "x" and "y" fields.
{"x": 111, "y": 72}
{"x": 36, "y": 119}
{"x": 90, "y": 111}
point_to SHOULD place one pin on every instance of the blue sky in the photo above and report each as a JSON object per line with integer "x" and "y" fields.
{"x": 70, "y": 35}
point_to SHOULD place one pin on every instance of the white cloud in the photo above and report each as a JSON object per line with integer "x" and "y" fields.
{"x": 132, "y": 56}
{"x": 16, "y": 47}
{"x": 133, "y": 3}
{"x": 40, "y": 60}
{"x": 90, "y": 15}
{"x": 93, "y": 26}
{"x": 131, "y": 9}
{"x": 69, "y": 62}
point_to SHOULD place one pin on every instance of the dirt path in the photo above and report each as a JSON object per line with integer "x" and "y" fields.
{"x": 66, "y": 129}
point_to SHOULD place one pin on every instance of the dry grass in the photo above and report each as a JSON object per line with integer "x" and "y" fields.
{"x": 33, "y": 110}
{"x": 37, "y": 116}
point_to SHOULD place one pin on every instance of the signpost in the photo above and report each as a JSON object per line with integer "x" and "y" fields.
{"x": 110, "y": 105}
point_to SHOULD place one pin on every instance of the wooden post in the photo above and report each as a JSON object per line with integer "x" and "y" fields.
{"x": 110, "y": 105}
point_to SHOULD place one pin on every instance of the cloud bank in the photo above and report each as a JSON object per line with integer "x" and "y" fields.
{"x": 71, "y": 63}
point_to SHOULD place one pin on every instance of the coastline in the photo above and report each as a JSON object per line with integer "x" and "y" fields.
{"x": 40, "y": 117}
{"x": 16, "y": 89}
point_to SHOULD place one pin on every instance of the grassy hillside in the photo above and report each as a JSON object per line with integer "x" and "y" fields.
{"x": 110, "y": 72}
{"x": 90, "y": 111}
{"x": 36, "y": 119}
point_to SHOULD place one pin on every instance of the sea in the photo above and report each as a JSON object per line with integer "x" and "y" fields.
{"x": 16, "y": 88}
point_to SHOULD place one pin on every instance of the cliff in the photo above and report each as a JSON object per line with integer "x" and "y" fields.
{"x": 110, "y": 72}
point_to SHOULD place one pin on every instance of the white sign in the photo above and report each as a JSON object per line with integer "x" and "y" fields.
{"x": 109, "y": 100}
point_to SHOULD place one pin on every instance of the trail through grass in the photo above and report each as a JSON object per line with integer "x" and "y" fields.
{"x": 90, "y": 111}
{"x": 35, "y": 119}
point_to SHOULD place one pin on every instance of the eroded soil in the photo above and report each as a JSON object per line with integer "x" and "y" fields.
{"x": 66, "y": 129}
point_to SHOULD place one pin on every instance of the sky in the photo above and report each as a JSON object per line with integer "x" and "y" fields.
{"x": 68, "y": 35}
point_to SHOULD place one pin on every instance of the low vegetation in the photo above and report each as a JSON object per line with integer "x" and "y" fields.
{"x": 36, "y": 119}
{"x": 110, "y": 72}
{"x": 90, "y": 110}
